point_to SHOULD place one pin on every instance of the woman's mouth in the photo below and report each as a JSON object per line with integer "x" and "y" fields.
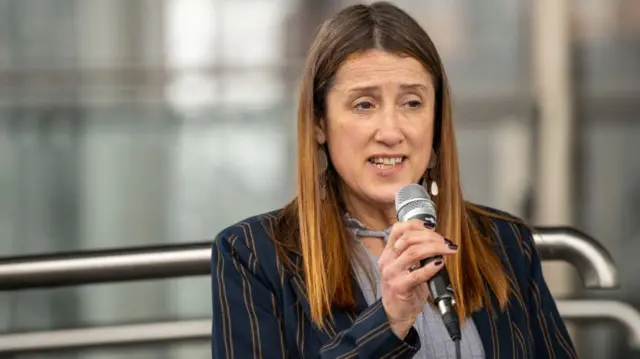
{"x": 387, "y": 162}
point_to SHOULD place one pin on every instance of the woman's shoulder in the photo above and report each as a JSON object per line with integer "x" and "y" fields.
{"x": 250, "y": 244}
{"x": 512, "y": 240}
{"x": 509, "y": 233}
{"x": 259, "y": 227}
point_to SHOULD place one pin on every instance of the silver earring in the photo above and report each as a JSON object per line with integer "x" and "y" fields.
{"x": 433, "y": 188}
{"x": 430, "y": 185}
{"x": 323, "y": 164}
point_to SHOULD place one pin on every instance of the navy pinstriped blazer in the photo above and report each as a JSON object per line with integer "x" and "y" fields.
{"x": 260, "y": 310}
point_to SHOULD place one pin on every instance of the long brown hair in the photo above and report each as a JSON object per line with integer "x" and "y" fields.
{"x": 314, "y": 227}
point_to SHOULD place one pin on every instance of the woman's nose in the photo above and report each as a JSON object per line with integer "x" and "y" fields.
{"x": 389, "y": 131}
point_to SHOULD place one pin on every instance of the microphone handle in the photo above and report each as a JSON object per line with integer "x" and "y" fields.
{"x": 440, "y": 287}
{"x": 441, "y": 290}
{"x": 439, "y": 284}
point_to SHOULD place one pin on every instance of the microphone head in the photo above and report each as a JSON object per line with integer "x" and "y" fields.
{"x": 413, "y": 201}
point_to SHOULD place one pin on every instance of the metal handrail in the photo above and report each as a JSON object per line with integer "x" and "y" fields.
{"x": 102, "y": 266}
{"x": 100, "y": 337}
{"x": 606, "y": 310}
{"x": 135, "y": 334}
{"x": 592, "y": 261}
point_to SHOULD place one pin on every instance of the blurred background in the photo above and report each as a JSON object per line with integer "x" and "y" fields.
{"x": 140, "y": 122}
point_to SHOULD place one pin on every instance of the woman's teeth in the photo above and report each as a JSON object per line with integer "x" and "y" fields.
{"x": 386, "y": 162}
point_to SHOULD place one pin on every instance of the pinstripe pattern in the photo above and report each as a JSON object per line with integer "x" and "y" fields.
{"x": 261, "y": 311}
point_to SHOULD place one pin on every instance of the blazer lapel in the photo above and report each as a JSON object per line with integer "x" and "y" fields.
{"x": 361, "y": 301}
{"x": 487, "y": 331}
{"x": 496, "y": 343}
{"x": 340, "y": 320}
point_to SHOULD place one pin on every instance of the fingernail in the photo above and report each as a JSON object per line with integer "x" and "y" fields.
{"x": 398, "y": 245}
{"x": 451, "y": 245}
{"x": 429, "y": 225}
{"x": 438, "y": 263}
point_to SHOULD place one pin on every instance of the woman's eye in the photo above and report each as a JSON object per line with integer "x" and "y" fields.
{"x": 414, "y": 104}
{"x": 364, "y": 105}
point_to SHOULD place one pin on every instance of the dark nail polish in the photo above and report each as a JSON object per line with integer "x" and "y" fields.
{"x": 437, "y": 263}
{"x": 429, "y": 225}
{"x": 451, "y": 245}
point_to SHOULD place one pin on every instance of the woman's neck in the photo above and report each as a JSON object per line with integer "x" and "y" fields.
{"x": 373, "y": 216}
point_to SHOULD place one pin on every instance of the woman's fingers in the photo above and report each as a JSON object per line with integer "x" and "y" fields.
{"x": 419, "y": 251}
{"x": 409, "y": 238}
{"x": 403, "y": 284}
{"x": 410, "y": 280}
{"x": 401, "y": 227}
{"x": 420, "y": 245}
{"x": 397, "y": 231}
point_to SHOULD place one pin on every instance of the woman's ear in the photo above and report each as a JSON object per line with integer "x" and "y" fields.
{"x": 320, "y": 132}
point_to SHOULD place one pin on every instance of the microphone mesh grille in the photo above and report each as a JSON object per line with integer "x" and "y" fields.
{"x": 410, "y": 197}
{"x": 410, "y": 192}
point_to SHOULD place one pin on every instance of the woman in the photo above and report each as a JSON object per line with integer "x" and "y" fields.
{"x": 330, "y": 275}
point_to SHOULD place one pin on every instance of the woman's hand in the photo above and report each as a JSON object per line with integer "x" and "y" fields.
{"x": 404, "y": 291}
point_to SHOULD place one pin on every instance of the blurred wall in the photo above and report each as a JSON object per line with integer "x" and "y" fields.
{"x": 132, "y": 122}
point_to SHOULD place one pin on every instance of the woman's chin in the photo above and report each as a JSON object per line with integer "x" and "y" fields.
{"x": 385, "y": 195}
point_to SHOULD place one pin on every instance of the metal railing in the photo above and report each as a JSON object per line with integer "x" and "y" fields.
{"x": 101, "y": 266}
{"x": 592, "y": 261}
{"x": 108, "y": 336}
{"x": 194, "y": 330}
{"x": 605, "y": 310}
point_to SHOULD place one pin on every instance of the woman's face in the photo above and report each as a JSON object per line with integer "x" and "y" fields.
{"x": 379, "y": 124}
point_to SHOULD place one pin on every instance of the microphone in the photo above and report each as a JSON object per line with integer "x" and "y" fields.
{"x": 413, "y": 202}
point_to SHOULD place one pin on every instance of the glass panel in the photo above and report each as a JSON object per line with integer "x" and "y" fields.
{"x": 252, "y": 34}
{"x": 484, "y": 44}
{"x": 131, "y": 123}
{"x": 607, "y": 53}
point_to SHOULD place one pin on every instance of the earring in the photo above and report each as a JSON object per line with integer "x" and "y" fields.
{"x": 430, "y": 185}
{"x": 323, "y": 164}
{"x": 433, "y": 188}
